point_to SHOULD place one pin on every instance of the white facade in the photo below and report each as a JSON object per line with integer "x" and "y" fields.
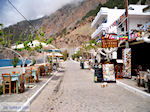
{"x": 35, "y": 43}
{"x": 106, "y": 17}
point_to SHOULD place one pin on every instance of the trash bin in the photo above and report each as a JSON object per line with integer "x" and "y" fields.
{"x": 82, "y": 65}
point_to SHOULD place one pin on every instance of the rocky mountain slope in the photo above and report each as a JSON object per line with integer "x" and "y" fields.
{"x": 69, "y": 26}
{"x": 55, "y": 24}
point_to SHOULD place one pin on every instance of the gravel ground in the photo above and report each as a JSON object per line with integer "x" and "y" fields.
{"x": 75, "y": 91}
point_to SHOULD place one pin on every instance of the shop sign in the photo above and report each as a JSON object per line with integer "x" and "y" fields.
{"x": 108, "y": 72}
{"x": 127, "y": 62}
{"x": 107, "y": 43}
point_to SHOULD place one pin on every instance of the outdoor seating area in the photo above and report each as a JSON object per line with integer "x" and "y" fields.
{"x": 17, "y": 82}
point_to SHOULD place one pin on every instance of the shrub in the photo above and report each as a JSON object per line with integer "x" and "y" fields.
{"x": 15, "y": 61}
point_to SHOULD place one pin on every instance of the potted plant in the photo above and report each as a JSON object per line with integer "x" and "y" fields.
{"x": 15, "y": 61}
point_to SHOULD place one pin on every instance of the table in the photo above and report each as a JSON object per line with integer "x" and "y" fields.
{"x": 15, "y": 77}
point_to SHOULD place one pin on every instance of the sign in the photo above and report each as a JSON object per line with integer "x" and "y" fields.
{"x": 108, "y": 72}
{"x": 107, "y": 43}
{"x": 116, "y": 37}
{"x": 127, "y": 62}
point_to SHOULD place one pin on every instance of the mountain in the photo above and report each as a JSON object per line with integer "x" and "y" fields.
{"x": 54, "y": 24}
{"x": 69, "y": 26}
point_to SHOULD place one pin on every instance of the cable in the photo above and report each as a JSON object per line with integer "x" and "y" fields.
{"x": 21, "y": 14}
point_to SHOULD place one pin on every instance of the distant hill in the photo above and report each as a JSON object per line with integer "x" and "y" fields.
{"x": 69, "y": 26}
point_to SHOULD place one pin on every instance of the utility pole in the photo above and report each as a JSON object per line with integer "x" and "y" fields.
{"x": 127, "y": 22}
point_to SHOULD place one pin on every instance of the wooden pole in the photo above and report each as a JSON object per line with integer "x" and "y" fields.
{"x": 126, "y": 12}
{"x": 127, "y": 22}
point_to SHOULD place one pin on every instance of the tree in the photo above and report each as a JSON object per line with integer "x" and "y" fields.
{"x": 15, "y": 61}
{"x": 65, "y": 54}
{"x": 49, "y": 41}
{"x": 26, "y": 46}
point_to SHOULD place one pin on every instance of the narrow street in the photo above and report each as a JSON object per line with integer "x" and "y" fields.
{"x": 75, "y": 91}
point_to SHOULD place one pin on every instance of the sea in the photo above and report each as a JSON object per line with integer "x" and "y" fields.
{"x": 8, "y": 62}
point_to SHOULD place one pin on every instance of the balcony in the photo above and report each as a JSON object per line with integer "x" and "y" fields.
{"x": 100, "y": 29}
{"x": 102, "y": 14}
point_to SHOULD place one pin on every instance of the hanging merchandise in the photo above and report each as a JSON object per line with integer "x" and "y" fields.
{"x": 119, "y": 20}
{"x": 135, "y": 35}
{"x": 127, "y": 62}
{"x": 116, "y": 37}
{"x": 108, "y": 72}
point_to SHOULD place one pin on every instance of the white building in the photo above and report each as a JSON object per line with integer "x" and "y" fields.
{"x": 34, "y": 43}
{"x": 138, "y": 16}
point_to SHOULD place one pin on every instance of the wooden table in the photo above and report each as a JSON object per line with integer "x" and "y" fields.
{"x": 16, "y": 78}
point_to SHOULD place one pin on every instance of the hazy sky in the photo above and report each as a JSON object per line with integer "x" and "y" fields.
{"x": 31, "y": 9}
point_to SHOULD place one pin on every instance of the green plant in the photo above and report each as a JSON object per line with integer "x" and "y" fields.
{"x": 92, "y": 12}
{"x": 65, "y": 54}
{"x": 49, "y": 41}
{"x": 15, "y": 61}
{"x": 49, "y": 59}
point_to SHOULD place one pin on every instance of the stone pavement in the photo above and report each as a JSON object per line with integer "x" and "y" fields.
{"x": 76, "y": 92}
{"x": 133, "y": 83}
{"x": 22, "y": 97}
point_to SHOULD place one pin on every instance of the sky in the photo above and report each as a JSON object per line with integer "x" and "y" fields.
{"x": 31, "y": 9}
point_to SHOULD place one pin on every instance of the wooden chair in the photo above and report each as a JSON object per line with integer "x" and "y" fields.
{"x": 22, "y": 87}
{"x": 50, "y": 68}
{"x": 42, "y": 70}
{"x": 47, "y": 72}
{"x": 6, "y": 83}
{"x": 28, "y": 76}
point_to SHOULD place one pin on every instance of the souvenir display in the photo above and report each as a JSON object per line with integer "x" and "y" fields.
{"x": 108, "y": 72}
{"x": 127, "y": 62}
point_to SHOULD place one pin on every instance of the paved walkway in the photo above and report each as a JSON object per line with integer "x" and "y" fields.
{"x": 23, "y": 97}
{"x": 75, "y": 91}
{"x": 133, "y": 83}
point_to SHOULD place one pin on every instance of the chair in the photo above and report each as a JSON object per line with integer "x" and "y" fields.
{"x": 42, "y": 70}
{"x": 50, "y": 68}
{"x": 46, "y": 70}
{"x": 6, "y": 83}
{"x": 28, "y": 76}
{"x": 22, "y": 87}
